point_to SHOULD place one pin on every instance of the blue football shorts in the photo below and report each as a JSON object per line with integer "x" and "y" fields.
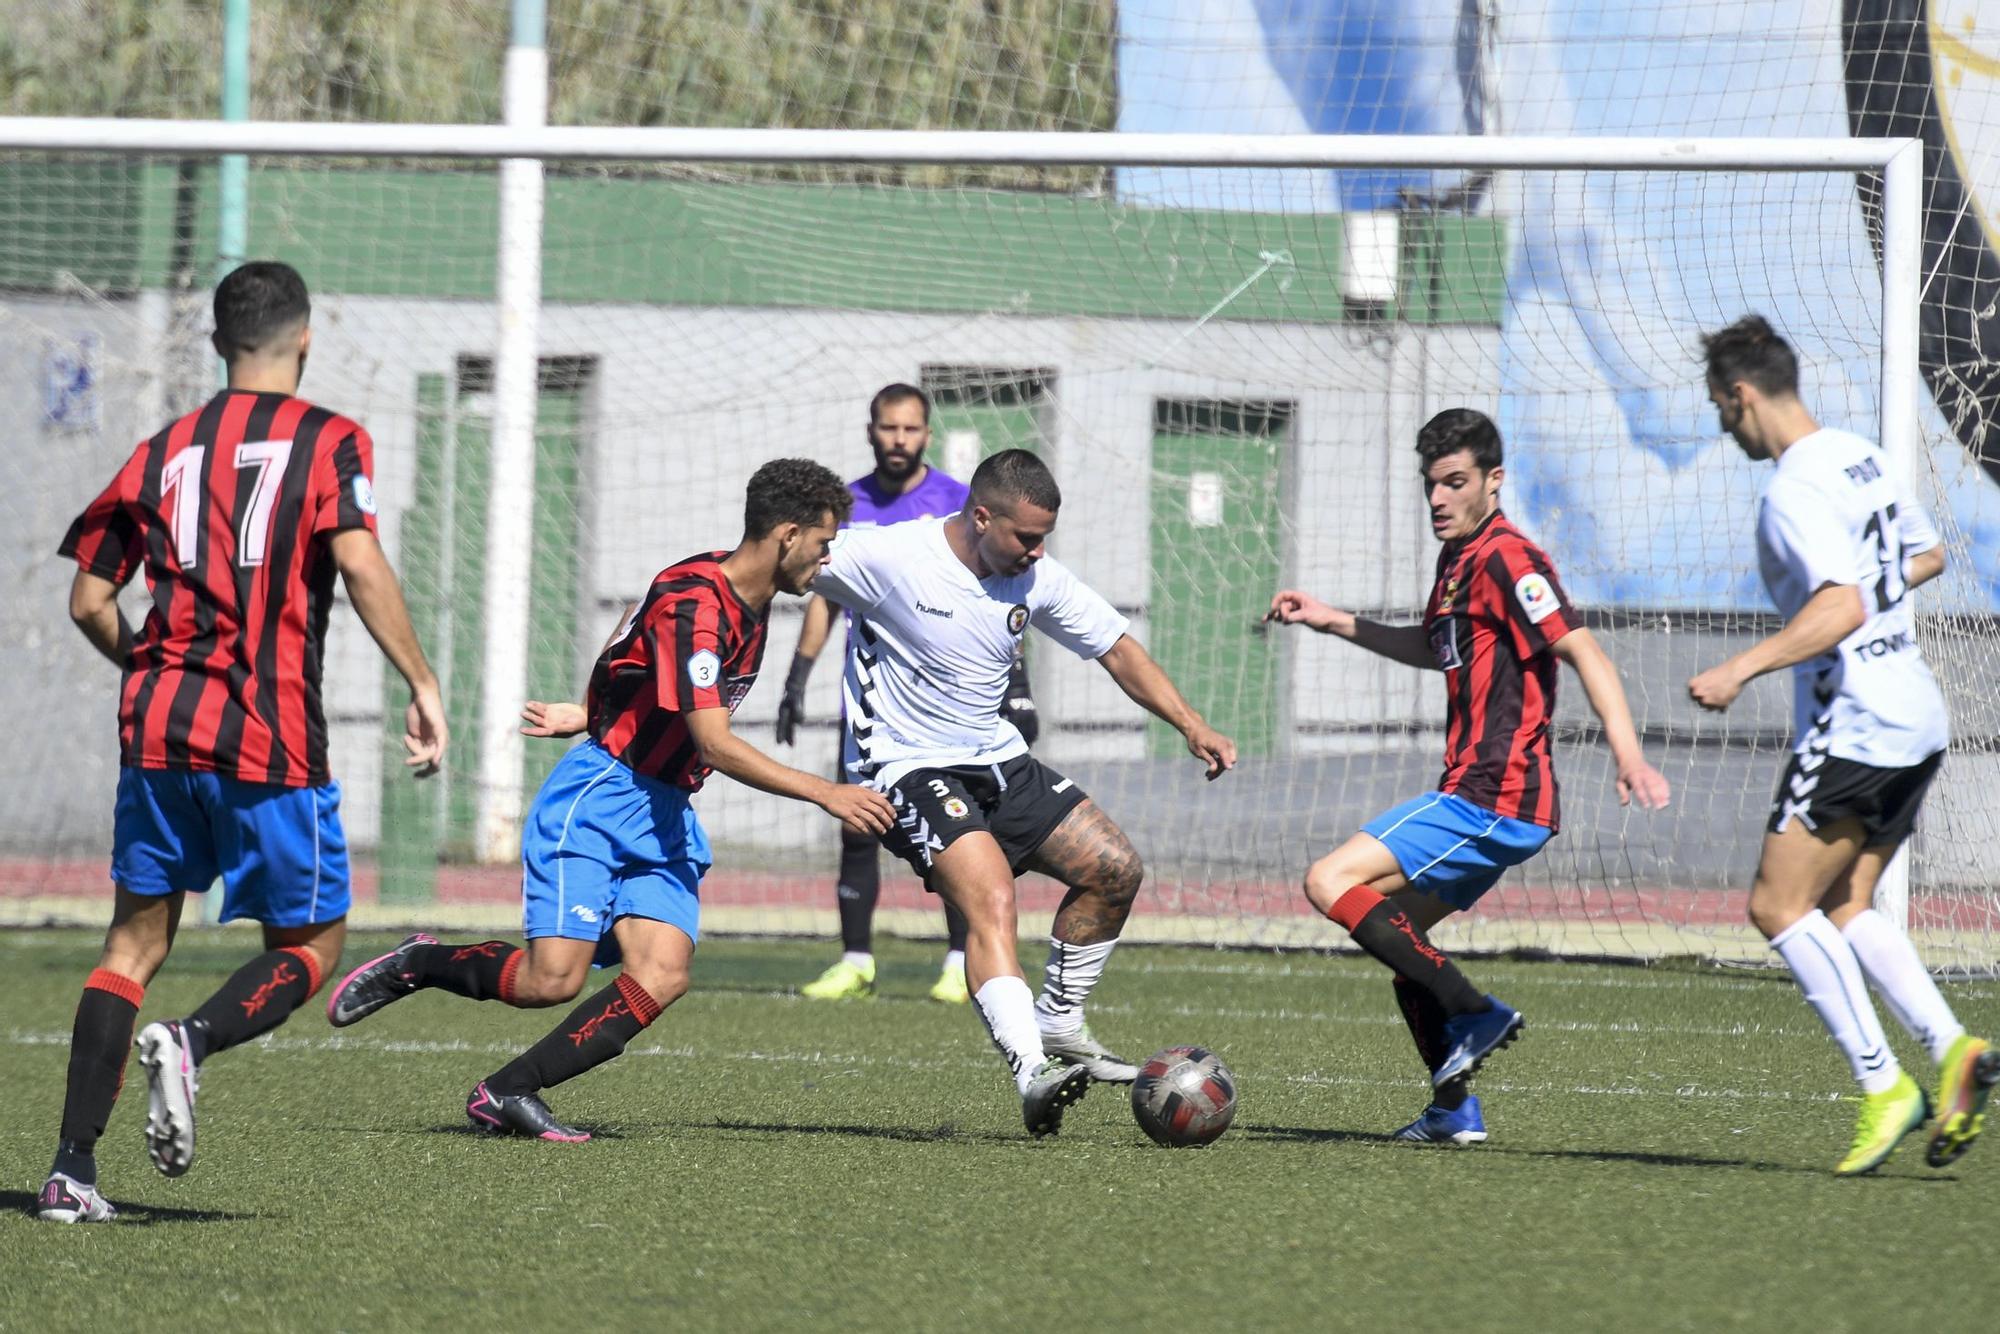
{"x": 602, "y": 842}
{"x": 1452, "y": 849}
{"x": 279, "y": 851}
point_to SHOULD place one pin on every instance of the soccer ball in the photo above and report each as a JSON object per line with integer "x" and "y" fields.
{"x": 1184, "y": 1097}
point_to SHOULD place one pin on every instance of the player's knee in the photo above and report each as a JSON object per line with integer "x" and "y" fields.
{"x": 548, "y": 986}
{"x": 1326, "y": 880}
{"x": 1768, "y": 913}
{"x": 1122, "y": 879}
{"x": 665, "y": 983}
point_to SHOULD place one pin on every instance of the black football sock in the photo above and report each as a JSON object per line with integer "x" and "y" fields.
{"x": 257, "y": 998}
{"x": 956, "y": 928}
{"x": 99, "y": 1043}
{"x": 1387, "y": 932}
{"x": 484, "y": 971}
{"x": 860, "y": 885}
{"x": 595, "y": 1031}
{"x": 1425, "y": 1018}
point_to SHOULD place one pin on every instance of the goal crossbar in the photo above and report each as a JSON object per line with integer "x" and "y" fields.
{"x": 958, "y": 147}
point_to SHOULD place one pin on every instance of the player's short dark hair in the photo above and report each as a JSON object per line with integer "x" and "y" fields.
{"x": 1455, "y": 429}
{"x": 1751, "y": 351}
{"x": 793, "y": 491}
{"x": 897, "y": 393}
{"x": 257, "y": 300}
{"x": 1011, "y": 476}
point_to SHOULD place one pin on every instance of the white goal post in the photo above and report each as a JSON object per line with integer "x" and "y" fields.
{"x": 511, "y": 498}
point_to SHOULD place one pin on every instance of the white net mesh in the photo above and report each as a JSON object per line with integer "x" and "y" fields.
{"x": 1225, "y": 367}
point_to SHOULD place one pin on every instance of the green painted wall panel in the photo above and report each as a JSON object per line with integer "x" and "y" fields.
{"x": 404, "y": 232}
{"x": 1216, "y": 532}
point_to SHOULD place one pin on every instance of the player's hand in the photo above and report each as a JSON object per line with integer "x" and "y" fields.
{"x": 792, "y": 704}
{"x": 1641, "y": 782}
{"x": 1716, "y": 689}
{"x": 1212, "y": 748}
{"x": 424, "y": 732}
{"x": 861, "y": 810}
{"x": 1290, "y": 606}
{"x": 563, "y": 718}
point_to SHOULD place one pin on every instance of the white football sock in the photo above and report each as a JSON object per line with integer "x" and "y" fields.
{"x": 1067, "y": 981}
{"x": 1827, "y": 972}
{"x": 1009, "y": 1011}
{"x": 1901, "y": 979}
{"x": 860, "y": 959}
{"x": 954, "y": 959}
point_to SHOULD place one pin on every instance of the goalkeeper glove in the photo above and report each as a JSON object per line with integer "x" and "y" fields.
{"x": 1018, "y": 707}
{"x": 792, "y": 707}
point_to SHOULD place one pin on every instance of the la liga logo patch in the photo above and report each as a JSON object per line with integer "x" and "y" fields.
{"x": 1537, "y": 597}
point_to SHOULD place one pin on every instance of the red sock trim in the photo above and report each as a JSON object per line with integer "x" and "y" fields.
{"x": 642, "y": 1002}
{"x": 507, "y": 972}
{"x": 311, "y": 962}
{"x": 1355, "y": 904}
{"x": 119, "y": 985}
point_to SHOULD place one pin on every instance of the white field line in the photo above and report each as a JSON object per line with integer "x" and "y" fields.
{"x": 854, "y": 1063}
{"x": 1532, "y": 974}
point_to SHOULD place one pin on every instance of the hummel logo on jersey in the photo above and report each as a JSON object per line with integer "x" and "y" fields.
{"x": 929, "y": 610}
{"x": 584, "y": 914}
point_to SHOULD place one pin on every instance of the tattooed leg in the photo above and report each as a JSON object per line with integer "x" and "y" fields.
{"x": 1092, "y": 856}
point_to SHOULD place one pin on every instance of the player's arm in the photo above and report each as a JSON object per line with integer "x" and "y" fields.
{"x": 378, "y": 599}
{"x": 812, "y": 639}
{"x": 567, "y": 718}
{"x": 93, "y": 605}
{"x": 1636, "y": 778}
{"x": 861, "y": 809}
{"x": 1829, "y": 616}
{"x": 1153, "y": 690}
{"x": 1407, "y": 644}
{"x": 1924, "y": 566}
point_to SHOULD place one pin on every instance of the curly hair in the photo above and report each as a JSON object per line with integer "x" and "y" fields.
{"x": 793, "y": 491}
{"x": 1751, "y": 351}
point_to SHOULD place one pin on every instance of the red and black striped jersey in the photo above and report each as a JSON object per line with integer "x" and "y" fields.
{"x": 1494, "y": 612}
{"x": 229, "y": 510}
{"x": 692, "y": 645}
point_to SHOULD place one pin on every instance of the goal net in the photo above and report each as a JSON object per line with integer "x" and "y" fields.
{"x": 1226, "y": 371}
{"x": 1225, "y": 364}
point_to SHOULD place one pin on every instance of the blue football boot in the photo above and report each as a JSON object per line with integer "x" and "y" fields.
{"x": 1474, "y": 1037}
{"x": 1461, "y": 1125}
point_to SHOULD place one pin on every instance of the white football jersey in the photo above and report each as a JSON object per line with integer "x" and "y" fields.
{"x": 928, "y": 657}
{"x": 1833, "y": 515}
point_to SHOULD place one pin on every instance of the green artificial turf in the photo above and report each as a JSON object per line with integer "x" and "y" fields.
{"x": 1662, "y": 1139}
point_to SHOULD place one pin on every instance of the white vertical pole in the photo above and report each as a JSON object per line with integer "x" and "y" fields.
{"x": 1902, "y": 275}
{"x": 510, "y": 507}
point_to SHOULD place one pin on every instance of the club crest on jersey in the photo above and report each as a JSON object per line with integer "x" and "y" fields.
{"x": 364, "y": 494}
{"x": 1017, "y": 618}
{"x": 1537, "y": 598}
{"x": 1450, "y": 593}
{"x": 955, "y": 808}
{"x": 704, "y": 668}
